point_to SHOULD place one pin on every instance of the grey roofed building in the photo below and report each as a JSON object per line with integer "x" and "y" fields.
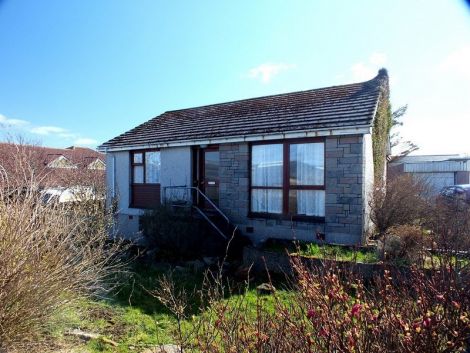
{"x": 438, "y": 171}
{"x": 296, "y": 164}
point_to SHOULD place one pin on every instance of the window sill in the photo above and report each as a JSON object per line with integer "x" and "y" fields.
{"x": 286, "y": 217}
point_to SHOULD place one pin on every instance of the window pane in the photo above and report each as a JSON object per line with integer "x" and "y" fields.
{"x": 266, "y": 201}
{"x": 138, "y": 174}
{"x": 152, "y": 167}
{"x": 137, "y": 158}
{"x": 266, "y": 165}
{"x": 211, "y": 165}
{"x": 307, "y": 202}
{"x": 307, "y": 164}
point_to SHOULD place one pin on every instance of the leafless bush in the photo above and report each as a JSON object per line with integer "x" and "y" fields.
{"x": 333, "y": 310}
{"x": 50, "y": 254}
{"x": 404, "y": 242}
{"x": 402, "y": 200}
{"x": 449, "y": 225}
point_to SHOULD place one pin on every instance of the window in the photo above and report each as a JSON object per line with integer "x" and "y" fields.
{"x": 146, "y": 167}
{"x": 145, "y": 179}
{"x": 288, "y": 178}
{"x": 152, "y": 167}
{"x": 306, "y": 179}
{"x": 266, "y": 178}
{"x": 61, "y": 162}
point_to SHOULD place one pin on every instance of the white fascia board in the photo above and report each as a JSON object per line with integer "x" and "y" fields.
{"x": 359, "y": 130}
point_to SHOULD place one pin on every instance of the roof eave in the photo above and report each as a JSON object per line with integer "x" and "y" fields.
{"x": 363, "y": 129}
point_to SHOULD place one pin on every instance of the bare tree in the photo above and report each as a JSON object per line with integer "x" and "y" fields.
{"x": 404, "y": 147}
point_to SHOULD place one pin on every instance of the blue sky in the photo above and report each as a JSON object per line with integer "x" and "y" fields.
{"x": 81, "y": 72}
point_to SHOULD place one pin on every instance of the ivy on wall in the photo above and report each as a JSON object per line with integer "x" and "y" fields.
{"x": 381, "y": 129}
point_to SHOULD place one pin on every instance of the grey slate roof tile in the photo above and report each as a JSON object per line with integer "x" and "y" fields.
{"x": 349, "y": 105}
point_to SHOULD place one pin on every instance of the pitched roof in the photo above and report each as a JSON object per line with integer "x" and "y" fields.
{"x": 80, "y": 156}
{"x": 351, "y": 105}
{"x": 16, "y": 160}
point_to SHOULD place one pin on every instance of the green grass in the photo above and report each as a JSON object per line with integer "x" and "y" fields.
{"x": 132, "y": 317}
{"x": 332, "y": 252}
{"x": 339, "y": 253}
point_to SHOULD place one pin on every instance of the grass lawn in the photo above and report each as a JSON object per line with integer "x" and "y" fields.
{"x": 363, "y": 255}
{"x": 324, "y": 251}
{"x": 131, "y": 317}
{"x": 339, "y": 253}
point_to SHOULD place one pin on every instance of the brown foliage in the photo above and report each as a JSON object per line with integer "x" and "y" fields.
{"x": 50, "y": 254}
{"x": 402, "y": 200}
{"x": 449, "y": 223}
{"x": 333, "y": 310}
{"x": 404, "y": 242}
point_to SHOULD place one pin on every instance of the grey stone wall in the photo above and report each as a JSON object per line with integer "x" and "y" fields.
{"x": 344, "y": 192}
{"x": 344, "y": 209}
{"x": 233, "y": 174}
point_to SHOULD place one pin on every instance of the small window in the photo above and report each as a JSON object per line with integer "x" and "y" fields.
{"x": 146, "y": 167}
{"x": 138, "y": 158}
{"x": 138, "y": 174}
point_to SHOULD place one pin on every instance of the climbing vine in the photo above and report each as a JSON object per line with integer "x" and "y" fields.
{"x": 381, "y": 133}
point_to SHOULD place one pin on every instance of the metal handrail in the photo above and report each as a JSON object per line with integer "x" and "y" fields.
{"x": 199, "y": 193}
{"x": 210, "y": 222}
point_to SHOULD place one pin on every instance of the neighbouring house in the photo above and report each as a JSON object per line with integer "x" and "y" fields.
{"x": 438, "y": 171}
{"x": 51, "y": 168}
{"x": 297, "y": 165}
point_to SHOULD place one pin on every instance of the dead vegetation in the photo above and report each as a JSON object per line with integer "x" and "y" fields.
{"x": 50, "y": 255}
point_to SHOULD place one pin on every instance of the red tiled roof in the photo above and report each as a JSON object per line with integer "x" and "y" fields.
{"x": 17, "y": 160}
{"x": 343, "y": 106}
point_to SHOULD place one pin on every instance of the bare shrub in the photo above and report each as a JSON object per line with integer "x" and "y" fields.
{"x": 50, "y": 254}
{"x": 173, "y": 232}
{"x": 449, "y": 225}
{"x": 333, "y": 310}
{"x": 176, "y": 235}
{"x": 402, "y": 200}
{"x": 403, "y": 242}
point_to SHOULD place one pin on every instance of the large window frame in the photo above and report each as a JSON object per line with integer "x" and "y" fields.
{"x": 286, "y": 182}
{"x": 143, "y": 194}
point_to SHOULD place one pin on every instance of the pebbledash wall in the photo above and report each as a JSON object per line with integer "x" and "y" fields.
{"x": 348, "y": 184}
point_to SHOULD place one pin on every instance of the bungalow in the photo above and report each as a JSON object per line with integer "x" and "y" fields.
{"x": 297, "y": 165}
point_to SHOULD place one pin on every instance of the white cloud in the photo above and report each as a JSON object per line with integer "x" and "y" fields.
{"x": 50, "y": 130}
{"x": 46, "y": 130}
{"x": 366, "y": 70}
{"x": 457, "y": 62}
{"x": 265, "y": 72}
{"x": 84, "y": 141}
{"x": 12, "y": 122}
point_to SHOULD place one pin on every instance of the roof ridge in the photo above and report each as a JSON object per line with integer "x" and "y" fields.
{"x": 49, "y": 148}
{"x": 379, "y": 75}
